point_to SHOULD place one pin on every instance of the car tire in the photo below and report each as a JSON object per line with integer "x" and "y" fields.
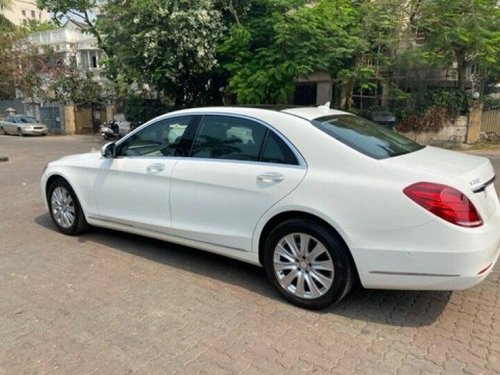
{"x": 20, "y": 132}
{"x": 65, "y": 208}
{"x": 2, "y": 131}
{"x": 314, "y": 275}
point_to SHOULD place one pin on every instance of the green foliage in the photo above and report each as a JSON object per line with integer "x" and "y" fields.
{"x": 34, "y": 26}
{"x": 279, "y": 40}
{"x": 71, "y": 85}
{"x": 490, "y": 103}
{"x": 166, "y": 44}
{"x": 137, "y": 107}
{"x": 436, "y": 108}
{"x": 465, "y": 31}
{"x": 457, "y": 101}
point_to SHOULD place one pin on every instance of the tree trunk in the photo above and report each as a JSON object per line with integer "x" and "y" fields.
{"x": 349, "y": 87}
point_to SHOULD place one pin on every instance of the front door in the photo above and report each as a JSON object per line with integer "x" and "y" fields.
{"x": 133, "y": 188}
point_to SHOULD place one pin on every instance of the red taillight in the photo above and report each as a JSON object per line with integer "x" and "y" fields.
{"x": 446, "y": 202}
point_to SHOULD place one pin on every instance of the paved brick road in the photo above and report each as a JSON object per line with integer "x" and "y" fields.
{"x": 112, "y": 303}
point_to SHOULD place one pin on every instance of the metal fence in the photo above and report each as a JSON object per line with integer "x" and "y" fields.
{"x": 51, "y": 116}
{"x": 490, "y": 121}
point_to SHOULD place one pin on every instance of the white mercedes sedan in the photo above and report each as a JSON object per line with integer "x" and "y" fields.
{"x": 320, "y": 198}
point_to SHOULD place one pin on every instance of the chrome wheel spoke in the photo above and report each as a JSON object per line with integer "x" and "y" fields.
{"x": 304, "y": 243}
{"x": 317, "y": 250}
{"x": 292, "y": 245}
{"x": 299, "y": 289}
{"x": 325, "y": 265}
{"x": 323, "y": 280}
{"x": 315, "y": 293}
{"x": 284, "y": 266}
{"x": 287, "y": 280}
{"x": 282, "y": 252}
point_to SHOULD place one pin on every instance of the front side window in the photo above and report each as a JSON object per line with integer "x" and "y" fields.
{"x": 162, "y": 138}
{"x": 365, "y": 136}
{"x": 225, "y": 137}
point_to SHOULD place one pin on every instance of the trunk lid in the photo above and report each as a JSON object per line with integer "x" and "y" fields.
{"x": 470, "y": 174}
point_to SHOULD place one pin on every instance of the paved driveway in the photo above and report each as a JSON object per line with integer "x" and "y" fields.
{"x": 107, "y": 302}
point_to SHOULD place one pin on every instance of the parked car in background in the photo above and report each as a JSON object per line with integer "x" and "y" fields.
{"x": 320, "y": 198}
{"x": 22, "y": 125}
{"x": 384, "y": 118}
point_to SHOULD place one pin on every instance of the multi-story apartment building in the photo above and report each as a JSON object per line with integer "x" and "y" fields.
{"x": 23, "y": 10}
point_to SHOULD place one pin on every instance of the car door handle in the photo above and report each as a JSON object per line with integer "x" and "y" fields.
{"x": 156, "y": 167}
{"x": 271, "y": 177}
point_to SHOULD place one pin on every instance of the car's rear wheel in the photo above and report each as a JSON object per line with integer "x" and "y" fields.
{"x": 65, "y": 208}
{"x": 308, "y": 263}
{"x": 2, "y": 131}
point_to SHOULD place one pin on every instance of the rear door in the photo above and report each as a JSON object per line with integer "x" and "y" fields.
{"x": 238, "y": 169}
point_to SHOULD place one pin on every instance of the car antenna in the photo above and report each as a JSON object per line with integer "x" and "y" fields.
{"x": 324, "y": 107}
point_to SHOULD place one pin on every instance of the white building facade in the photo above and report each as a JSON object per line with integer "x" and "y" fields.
{"x": 24, "y": 10}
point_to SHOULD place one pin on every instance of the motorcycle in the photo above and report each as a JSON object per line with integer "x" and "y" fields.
{"x": 110, "y": 131}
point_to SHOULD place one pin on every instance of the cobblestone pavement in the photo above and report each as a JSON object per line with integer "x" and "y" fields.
{"x": 111, "y": 303}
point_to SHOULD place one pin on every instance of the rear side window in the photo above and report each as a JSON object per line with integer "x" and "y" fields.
{"x": 224, "y": 137}
{"x": 276, "y": 151}
{"x": 366, "y": 137}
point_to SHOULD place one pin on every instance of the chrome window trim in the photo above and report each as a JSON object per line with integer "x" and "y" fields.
{"x": 300, "y": 159}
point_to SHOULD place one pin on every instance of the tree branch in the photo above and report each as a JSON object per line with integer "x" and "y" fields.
{"x": 233, "y": 12}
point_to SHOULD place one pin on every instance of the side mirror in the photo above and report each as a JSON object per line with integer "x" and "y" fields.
{"x": 108, "y": 150}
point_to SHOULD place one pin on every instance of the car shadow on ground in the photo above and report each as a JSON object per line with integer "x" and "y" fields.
{"x": 395, "y": 308}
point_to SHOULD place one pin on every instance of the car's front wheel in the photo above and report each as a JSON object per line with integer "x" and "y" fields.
{"x": 20, "y": 132}
{"x": 65, "y": 208}
{"x": 308, "y": 263}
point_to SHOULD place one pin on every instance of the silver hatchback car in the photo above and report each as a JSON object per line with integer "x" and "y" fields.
{"x": 22, "y": 125}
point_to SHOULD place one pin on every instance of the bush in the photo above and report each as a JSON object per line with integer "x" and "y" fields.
{"x": 434, "y": 110}
{"x": 490, "y": 103}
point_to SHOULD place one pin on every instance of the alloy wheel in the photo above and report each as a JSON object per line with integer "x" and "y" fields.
{"x": 63, "y": 207}
{"x": 303, "y": 266}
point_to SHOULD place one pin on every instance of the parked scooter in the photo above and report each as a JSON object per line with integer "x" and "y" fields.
{"x": 110, "y": 130}
{"x": 135, "y": 125}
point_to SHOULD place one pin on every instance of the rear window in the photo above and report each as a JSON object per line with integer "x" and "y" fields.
{"x": 366, "y": 137}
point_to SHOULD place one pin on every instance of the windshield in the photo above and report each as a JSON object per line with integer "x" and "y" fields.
{"x": 366, "y": 137}
{"x": 26, "y": 120}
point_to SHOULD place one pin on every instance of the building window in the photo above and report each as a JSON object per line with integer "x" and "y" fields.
{"x": 94, "y": 61}
{"x": 33, "y": 15}
{"x": 23, "y": 12}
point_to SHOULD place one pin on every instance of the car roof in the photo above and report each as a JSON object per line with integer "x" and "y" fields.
{"x": 307, "y": 113}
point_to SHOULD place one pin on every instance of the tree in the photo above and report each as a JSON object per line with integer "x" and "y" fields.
{"x": 8, "y": 67}
{"x": 461, "y": 31}
{"x": 380, "y": 28}
{"x": 50, "y": 76}
{"x": 279, "y": 40}
{"x": 166, "y": 45}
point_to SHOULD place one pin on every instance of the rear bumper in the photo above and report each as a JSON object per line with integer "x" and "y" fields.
{"x": 438, "y": 258}
{"x": 422, "y": 281}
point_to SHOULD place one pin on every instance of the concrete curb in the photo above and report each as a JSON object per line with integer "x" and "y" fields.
{"x": 4, "y": 158}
